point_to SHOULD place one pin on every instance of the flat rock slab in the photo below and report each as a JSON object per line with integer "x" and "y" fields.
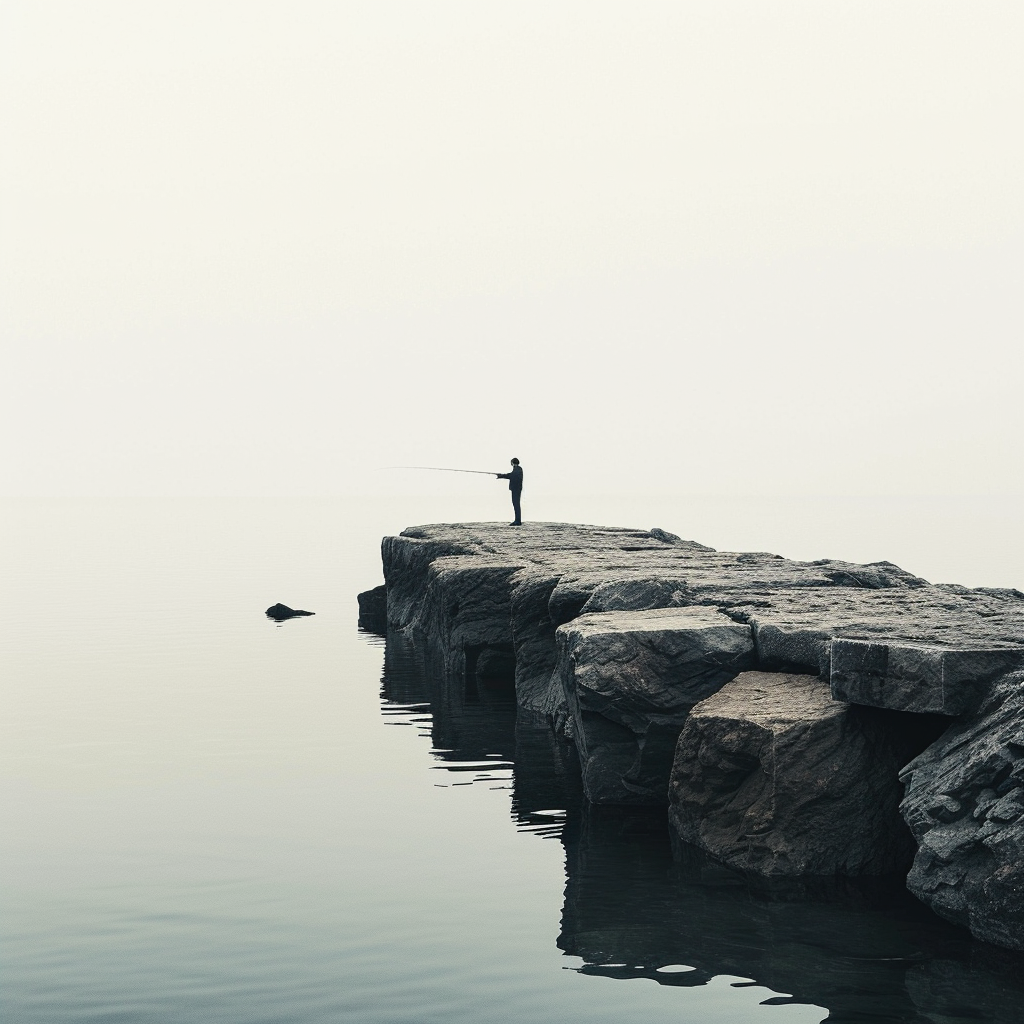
{"x": 775, "y": 779}
{"x": 630, "y": 679}
{"x": 916, "y": 677}
{"x": 612, "y": 568}
{"x": 965, "y": 806}
{"x": 631, "y": 665}
{"x": 795, "y": 628}
{"x": 794, "y": 607}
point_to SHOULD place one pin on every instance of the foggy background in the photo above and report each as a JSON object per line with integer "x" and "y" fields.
{"x": 648, "y": 248}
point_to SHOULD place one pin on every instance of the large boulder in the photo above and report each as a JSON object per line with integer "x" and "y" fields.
{"x": 630, "y": 679}
{"x": 965, "y": 806}
{"x": 775, "y": 779}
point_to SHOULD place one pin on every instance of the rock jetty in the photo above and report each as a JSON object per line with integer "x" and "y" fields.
{"x": 800, "y": 720}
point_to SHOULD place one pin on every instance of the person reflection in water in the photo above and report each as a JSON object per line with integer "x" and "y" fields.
{"x": 515, "y": 485}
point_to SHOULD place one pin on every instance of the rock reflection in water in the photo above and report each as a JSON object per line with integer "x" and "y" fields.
{"x": 476, "y": 732}
{"x": 868, "y": 954}
{"x": 632, "y": 910}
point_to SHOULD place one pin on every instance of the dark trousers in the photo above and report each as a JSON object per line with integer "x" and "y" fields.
{"x": 516, "y": 495}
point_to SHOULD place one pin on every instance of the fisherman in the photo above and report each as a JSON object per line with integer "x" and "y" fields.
{"x": 515, "y": 485}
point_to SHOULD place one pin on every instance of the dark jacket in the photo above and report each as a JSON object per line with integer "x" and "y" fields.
{"x": 514, "y": 478}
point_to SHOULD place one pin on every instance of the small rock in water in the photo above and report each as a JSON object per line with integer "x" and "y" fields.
{"x": 280, "y": 612}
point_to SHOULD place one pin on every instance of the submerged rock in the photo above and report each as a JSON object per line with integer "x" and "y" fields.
{"x": 775, "y": 779}
{"x": 280, "y": 612}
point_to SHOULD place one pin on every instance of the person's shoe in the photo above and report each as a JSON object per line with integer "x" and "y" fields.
{"x": 515, "y": 524}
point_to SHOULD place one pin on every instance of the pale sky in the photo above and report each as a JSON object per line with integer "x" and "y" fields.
{"x": 717, "y": 248}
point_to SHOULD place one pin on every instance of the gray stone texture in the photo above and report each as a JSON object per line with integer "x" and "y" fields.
{"x": 916, "y": 677}
{"x": 543, "y": 575}
{"x": 965, "y": 806}
{"x": 373, "y": 610}
{"x": 630, "y": 679}
{"x": 775, "y": 779}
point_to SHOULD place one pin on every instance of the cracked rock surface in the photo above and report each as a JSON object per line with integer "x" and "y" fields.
{"x": 630, "y": 680}
{"x": 965, "y": 806}
{"x": 467, "y": 585}
{"x": 775, "y": 779}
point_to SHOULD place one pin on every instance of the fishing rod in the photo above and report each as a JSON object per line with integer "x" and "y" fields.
{"x": 446, "y": 469}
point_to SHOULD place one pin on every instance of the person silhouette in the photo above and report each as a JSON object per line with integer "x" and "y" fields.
{"x": 515, "y": 484}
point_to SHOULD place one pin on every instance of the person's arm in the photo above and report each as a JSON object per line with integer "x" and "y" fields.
{"x": 503, "y": 476}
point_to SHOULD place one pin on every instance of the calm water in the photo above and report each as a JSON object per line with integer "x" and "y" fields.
{"x": 210, "y": 817}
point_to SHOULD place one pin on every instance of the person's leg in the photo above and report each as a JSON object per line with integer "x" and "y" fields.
{"x": 516, "y": 495}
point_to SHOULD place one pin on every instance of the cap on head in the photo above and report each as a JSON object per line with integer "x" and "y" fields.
{"x": 515, "y": 462}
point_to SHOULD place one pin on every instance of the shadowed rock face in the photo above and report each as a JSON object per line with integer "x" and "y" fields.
{"x": 775, "y": 779}
{"x": 630, "y": 679}
{"x": 965, "y": 806}
{"x": 373, "y": 611}
{"x": 533, "y": 635}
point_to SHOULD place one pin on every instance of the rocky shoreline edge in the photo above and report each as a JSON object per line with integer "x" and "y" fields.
{"x": 800, "y": 721}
